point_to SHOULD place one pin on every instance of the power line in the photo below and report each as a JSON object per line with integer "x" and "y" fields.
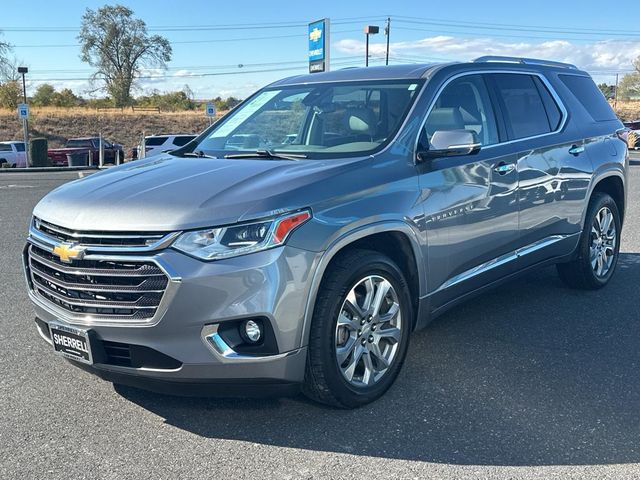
{"x": 180, "y": 42}
{"x": 516, "y": 27}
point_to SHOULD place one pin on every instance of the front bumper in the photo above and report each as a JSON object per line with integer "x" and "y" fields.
{"x": 273, "y": 285}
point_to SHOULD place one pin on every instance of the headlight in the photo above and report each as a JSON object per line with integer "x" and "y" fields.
{"x": 240, "y": 239}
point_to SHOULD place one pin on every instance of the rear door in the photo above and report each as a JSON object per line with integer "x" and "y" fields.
{"x": 470, "y": 201}
{"x": 552, "y": 174}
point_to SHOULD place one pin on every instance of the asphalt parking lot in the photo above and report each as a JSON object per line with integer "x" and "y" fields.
{"x": 530, "y": 381}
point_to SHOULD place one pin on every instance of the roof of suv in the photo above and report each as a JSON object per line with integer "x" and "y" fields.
{"x": 417, "y": 71}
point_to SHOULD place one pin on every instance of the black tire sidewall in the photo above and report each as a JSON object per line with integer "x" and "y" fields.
{"x": 600, "y": 201}
{"x": 343, "y": 282}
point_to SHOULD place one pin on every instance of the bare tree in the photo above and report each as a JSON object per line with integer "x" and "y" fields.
{"x": 118, "y": 46}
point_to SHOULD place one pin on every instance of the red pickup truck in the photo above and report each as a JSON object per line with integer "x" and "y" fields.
{"x": 88, "y": 146}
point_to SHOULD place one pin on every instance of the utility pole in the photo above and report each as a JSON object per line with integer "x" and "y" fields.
{"x": 25, "y": 122}
{"x": 615, "y": 93}
{"x": 369, "y": 30}
{"x": 387, "y": 29}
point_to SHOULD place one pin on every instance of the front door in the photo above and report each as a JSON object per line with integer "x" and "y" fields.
{"x": 470, "y": 201}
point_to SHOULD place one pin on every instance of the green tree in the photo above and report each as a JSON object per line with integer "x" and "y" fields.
{"x": 44, "y": 95}
{"x": 609, "y": 91}
{"x": 629, "y": 86}
{"x": 66, "y": 98}
{"x": 10, "y": 94}
{"x": 118, "y": 46}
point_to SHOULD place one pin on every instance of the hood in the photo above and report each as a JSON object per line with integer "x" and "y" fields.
{"x": 169, "y": 193}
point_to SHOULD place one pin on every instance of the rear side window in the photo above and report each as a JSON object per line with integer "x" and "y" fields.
{"x": 180, "y": 141}
{"x": 155, "y": 141}
{"x": 5, "y": 147}
{"x": 589, "y": 96}
{"x": 525, "y": 114}
{"x": 553, "y": 111}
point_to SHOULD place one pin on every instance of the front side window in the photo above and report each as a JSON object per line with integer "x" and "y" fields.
{"x": 317, "y": 121}
{"x": 524, "y": 111}
{"x": 19, "y": 147}
{"x": 464, "y": 104}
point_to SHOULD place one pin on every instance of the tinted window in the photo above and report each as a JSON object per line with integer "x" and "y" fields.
{"x": 589, "y": 96}
{"x": 524, "y": 111}
{"x": 155, "y": 141}
{"x": 80, "y": 143}
{"x": 464, "y": 104}
{"x": 553, "y": 111}
{"x": 180, "y": 141}
{"x": 5, "y": 147}
{"x": 19, "y": 147}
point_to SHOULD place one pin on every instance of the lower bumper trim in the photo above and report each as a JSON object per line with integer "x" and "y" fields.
{"x": 186, "y": 387}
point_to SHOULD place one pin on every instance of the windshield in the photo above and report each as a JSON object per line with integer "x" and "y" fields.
{"x": 318, "y": 121}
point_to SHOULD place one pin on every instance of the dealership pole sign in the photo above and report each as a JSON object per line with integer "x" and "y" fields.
{"x": 319, "y": 46}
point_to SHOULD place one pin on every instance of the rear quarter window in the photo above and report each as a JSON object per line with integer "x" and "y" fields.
{"x": 181, "y": 141}
{"x": 590, "y": 96}
{"x": 155, "y": 141}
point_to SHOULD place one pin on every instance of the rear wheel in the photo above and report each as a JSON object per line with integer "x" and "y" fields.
{"x": 359, "y": 332}
{"x": 599, "y": 246}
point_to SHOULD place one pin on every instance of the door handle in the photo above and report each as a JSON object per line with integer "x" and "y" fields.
{"x": 576, "y": 150}
{"x": 504, "y": 168}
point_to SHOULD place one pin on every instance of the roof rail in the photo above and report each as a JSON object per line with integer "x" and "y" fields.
{"x": 526, "y": 61}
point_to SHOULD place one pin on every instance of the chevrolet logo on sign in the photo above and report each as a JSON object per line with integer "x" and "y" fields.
{"x": 68, "y": 252}
{"x": 315, "y": 34}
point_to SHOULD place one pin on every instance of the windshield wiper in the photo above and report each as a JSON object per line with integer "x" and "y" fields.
{"x": 270, "y": 154}
{"x": 197, "y": 153}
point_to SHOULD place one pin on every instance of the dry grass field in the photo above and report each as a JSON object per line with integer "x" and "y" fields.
{"x": 126, "y": 127}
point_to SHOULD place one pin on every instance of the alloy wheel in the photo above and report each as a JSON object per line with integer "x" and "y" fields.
{"x": 368, "y": 331}
{"x": 602, "y": 249}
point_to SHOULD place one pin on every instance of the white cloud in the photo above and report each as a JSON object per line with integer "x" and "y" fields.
{"x": 184, "y": 73}
{"x": 606, "y": 55}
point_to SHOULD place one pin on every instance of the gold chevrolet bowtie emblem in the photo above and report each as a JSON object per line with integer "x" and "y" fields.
{"x": 69, "y": 252}
{"x": 315, "y": 34}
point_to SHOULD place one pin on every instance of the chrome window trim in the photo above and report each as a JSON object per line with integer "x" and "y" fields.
{"x": 543, "y": 79}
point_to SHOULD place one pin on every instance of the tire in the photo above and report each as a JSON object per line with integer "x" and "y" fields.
{"x": 580, "y": 273}
{"x": 350, "y": 275}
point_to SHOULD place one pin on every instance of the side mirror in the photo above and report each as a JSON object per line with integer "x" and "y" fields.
{"x": 451, "y": 143}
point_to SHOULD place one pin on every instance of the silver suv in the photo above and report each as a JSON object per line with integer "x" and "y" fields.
{"x": 300, "y": 240}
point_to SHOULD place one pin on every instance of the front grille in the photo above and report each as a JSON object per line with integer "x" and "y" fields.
{"x": 107, "y": 289}
{"x": 94, "y": 239}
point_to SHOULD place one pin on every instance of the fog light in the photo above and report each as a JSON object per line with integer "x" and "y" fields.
{"x": 251, "y": 331}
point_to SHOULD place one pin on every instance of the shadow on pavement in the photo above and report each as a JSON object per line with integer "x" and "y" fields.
{"x": 530, "y": 374}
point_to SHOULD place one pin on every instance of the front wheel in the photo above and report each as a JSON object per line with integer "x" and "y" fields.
{"x": 360, "y": 330}
{"x": 599, "y": 246}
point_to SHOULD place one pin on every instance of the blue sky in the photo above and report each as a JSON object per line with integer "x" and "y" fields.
{"x": 596, "y": 39}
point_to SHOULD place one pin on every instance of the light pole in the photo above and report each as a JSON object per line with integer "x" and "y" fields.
{"x": 369, "y": 30}
{"x": 25, "y": 122}
{"x": 387, "y": 30}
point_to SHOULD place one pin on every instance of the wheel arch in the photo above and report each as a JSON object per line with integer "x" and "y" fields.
{"x": 613, "y": 184}
{"x": 394, "y": 239}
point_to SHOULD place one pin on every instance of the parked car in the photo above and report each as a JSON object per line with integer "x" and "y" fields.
{"x": 155, "y": 144}
{"x": 633, "y": 125}
{"x": 308, "y": 264}
{"x": 85, "y": 145}
{"x": 13, "y": 153}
